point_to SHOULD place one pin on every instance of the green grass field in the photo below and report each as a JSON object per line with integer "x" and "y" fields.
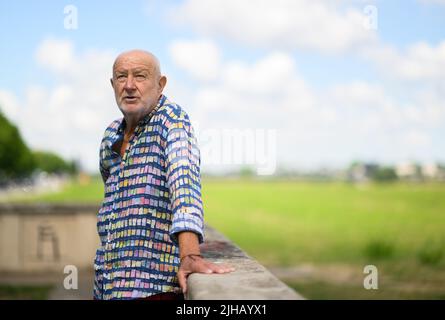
{"x": 288, "y": 223}
{"x": 12, "y": 292}
{"x": 333, "y": 228}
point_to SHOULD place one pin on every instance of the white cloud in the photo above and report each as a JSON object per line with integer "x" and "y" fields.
{"x": 266, "y": 76}
{"x": 439, "y": 2}
{"x": 253, "y": 89}
{"x": 393, "y": 119}
{"x": 200, "y": 58}
{"x": 416, "y": 75}
{"x": 331, "y": 126}
{"x": 282, "y": 24}
{"x": 353, "y": 120}
{"x": 9, "y": 105}
{"x": 265, "y": 94}
{"x": 380, "y": 110}
{"x": 56, "y": 55}
{"x": 419, "y": 62}
{"x": 358, "y": 93}
{"x": 417, "y": 139}
{"x": 70, "y": 117}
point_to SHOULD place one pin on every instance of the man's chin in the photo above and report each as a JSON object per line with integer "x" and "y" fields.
{"x": 131, "y": 108}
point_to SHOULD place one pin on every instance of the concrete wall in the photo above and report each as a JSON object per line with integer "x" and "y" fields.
{"x": 43, "y": 237}
{"x": 250, "y": 280}
{"x": 40, "y": 238}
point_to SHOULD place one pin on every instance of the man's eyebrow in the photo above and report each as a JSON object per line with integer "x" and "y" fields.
{"x": 137, "y": 70}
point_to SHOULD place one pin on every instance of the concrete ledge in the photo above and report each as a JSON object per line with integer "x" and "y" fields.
{"x": 74, "y": 225}
{"x": 250, "y": 281}
{"x": 38, "y": 237}
{"x": 39, "y": 208}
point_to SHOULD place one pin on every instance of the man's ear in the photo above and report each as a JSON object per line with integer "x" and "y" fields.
{"x": 112, "y": 83}
{"x": 162, "y": 82}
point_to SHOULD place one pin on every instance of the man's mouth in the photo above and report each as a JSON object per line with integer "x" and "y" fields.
{"x": 130, "y": 99}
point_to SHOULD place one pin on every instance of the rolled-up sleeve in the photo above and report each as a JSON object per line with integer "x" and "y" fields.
{"x": 184, "y": 181}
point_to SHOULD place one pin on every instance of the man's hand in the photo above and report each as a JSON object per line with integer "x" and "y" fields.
{"x": 195, "y": 263}
{"x": 192, "y": 262}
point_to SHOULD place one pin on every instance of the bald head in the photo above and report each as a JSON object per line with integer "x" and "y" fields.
{"x": 143, "y": 57}
{"x": 137, "y": 83}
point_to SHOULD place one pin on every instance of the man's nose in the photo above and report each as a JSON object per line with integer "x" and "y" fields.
{"x": 129, "y": 84}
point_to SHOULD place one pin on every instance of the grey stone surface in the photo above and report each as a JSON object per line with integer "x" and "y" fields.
{"x": 84, "y": 289}
{"x": 250, "y": 280}
{"x": 38, "y": 208}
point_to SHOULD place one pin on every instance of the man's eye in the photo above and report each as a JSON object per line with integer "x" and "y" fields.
{"x": 121, "y": 77}
{"x": 140, "y": 77}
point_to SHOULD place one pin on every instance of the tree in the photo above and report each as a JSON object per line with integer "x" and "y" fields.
{"x": 52, "y": 163}
{"x": 246, "y": 172}
{"x": 385, "y": 174}
{"x": 16, "y": 159}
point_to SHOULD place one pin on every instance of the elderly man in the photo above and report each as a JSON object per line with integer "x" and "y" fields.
{"x": 151, "y": 220}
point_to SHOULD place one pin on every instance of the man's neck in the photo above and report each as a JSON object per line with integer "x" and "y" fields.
{"x": 132, "y": 121}
{"x": 130, "y": 126}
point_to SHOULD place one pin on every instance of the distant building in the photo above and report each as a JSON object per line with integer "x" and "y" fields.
{"x": 362, "y": 172}
{"x": 433, "y": 171}
{"x": 408, "y": 170}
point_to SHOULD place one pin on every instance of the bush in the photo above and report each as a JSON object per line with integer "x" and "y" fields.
{"x": 16, "y": 160}
{"x": 52, "y": 163}
{"x": 431, "y": 253}
{"x": 385, "y": 174}
{"x": 379, "y": 249}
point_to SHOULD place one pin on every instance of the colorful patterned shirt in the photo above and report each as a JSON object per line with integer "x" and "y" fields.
{"x": 152, "y": 193}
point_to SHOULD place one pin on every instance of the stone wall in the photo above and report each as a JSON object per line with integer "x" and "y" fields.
{"x": 250, "y": 280}
{"x": 47, "y": 237}
{"x": 36, "y": 238}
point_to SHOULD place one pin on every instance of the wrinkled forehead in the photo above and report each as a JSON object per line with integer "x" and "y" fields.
{"x": 129, "y": 62}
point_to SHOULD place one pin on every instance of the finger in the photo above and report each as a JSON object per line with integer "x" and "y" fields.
{"x": 202, "y": 267}
{"x": 225, "y": 270}
{"x": 221, "y": 268}
{"x": 230, "y": 268}
{"x": 227, "y": 267}
{"x": 182, "y": 281}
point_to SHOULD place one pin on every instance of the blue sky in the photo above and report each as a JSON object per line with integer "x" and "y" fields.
{"x": 119, "y": 26}
{"x": 347, "y": 93}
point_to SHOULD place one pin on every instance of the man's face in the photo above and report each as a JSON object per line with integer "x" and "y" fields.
{"x": 137, "y": 84}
